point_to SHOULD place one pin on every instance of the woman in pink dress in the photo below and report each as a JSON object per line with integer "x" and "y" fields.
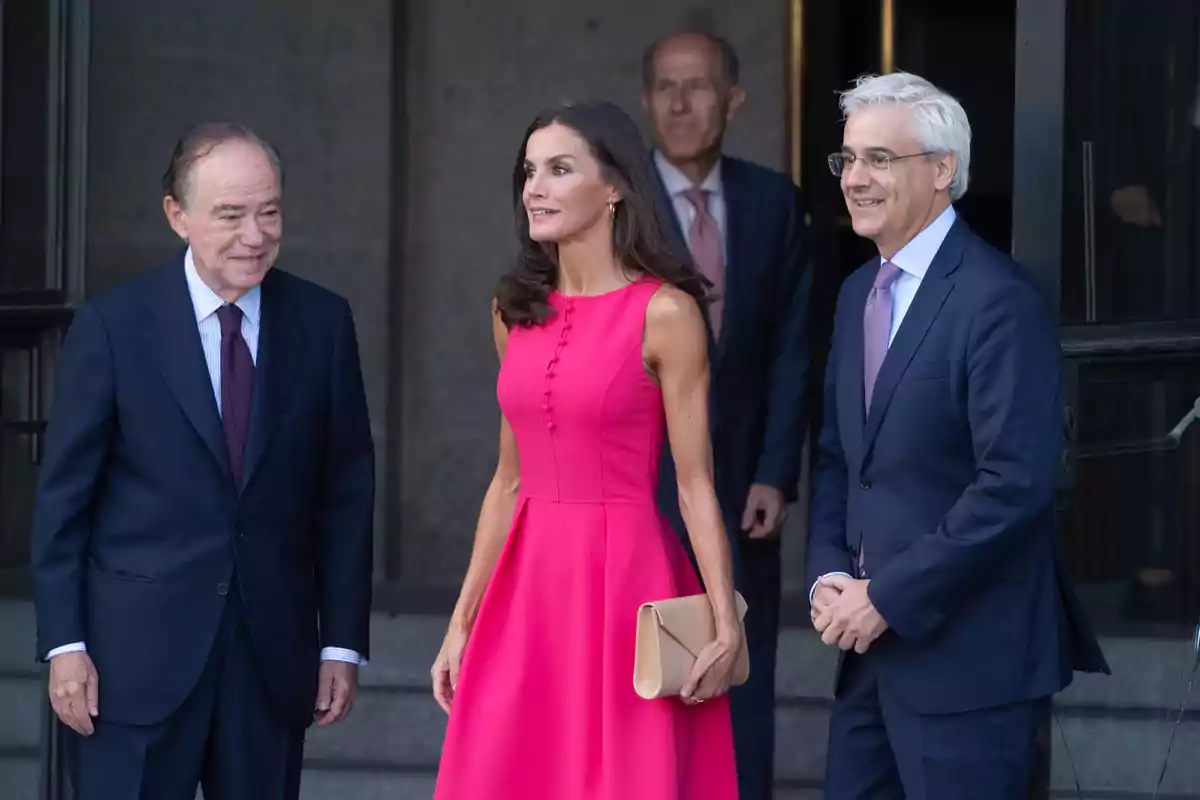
{"x": 603, "y": 354}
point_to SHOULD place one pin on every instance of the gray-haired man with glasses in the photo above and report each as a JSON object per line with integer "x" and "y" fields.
{"x": 931, "y": 544}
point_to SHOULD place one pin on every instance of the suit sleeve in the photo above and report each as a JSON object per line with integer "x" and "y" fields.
{"x": 345, "y": 535}
{"x": 1015, "y": 416}
{"x": 783, "y": 441}
{"x": 827, "y": 551}
{"x": 77, "y": 444}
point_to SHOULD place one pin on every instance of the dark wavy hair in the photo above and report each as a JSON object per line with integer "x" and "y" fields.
{"x": 640, "y": 228}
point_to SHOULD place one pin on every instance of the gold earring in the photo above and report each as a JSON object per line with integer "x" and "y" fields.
{"x": 612, "y": 209}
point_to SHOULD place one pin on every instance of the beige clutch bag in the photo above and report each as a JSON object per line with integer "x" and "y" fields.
{"x": 670, "y": 635}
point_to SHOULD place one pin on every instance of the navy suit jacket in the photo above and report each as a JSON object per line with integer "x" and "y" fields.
{"x": 947, "y": 484}
{"x": 759, "y": 368}
{"x": 139, "y": 528}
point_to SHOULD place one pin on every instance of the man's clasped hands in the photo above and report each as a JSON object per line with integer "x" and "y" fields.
{"x": 844, "y": 615}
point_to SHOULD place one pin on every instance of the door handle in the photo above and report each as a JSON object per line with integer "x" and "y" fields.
{"x": 1160, "y": 445}
{"x": 1089, "y": 234}
{"x": 1177, "y": 432}
{"x": 35, "y": 430}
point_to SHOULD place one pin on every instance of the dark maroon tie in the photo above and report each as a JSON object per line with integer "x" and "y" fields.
{"x": 237, "y": 385}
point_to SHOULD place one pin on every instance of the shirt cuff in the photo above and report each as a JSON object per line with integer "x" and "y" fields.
{"x": 342, "y": 654}
{"x": 327, "y": 653}
{"x": 813, "y": 590}
{"x": 74, "y": 647}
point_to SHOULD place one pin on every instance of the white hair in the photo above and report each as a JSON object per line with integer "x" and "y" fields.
{"x": 942, "y": 125}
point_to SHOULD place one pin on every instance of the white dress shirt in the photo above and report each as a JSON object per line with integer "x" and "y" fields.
{"x": 206, "y": 303}
{"x": 913, "y": 260}
{"x": 677, "y": 183}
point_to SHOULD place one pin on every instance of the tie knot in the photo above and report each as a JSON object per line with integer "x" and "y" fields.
{"x": 887, "y": 275}
{"x": 698, "y": 197}
{"x": 230, "y": 317}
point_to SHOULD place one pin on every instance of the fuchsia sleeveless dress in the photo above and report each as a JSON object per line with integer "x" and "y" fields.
{"x": 545, "y": 707}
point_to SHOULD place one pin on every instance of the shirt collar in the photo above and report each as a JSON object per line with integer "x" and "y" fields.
{"x": 916, "y": 256}
{"x": 676, "y": 182}
{"x": 205, "y": 301}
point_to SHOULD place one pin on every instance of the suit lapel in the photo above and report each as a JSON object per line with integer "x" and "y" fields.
{"x": 668, "y": 210}
{"x": 279, "y": 345}
{"x": 739, "y": 221}
{"x": 850, "y": 378}
{"x": 174, "y": 338}
{"x": 930, "y": 297}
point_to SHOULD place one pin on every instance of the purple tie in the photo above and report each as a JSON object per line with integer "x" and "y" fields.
{"x": 877, "y": 326}
{"x": 237, "y": 384}
{"x": 704, "y": 241}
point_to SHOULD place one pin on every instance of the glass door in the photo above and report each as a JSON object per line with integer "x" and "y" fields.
{"x": 1106, "y": 214}
{"x": 1130, "y": 305}
{"x": 43, "y": 63}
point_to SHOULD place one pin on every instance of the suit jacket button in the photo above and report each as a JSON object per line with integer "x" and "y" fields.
{"x": 222, "y": 589}
{"x": 865, "y": 485}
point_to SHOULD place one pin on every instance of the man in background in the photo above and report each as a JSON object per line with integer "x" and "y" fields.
{"x": 744, "y": 227}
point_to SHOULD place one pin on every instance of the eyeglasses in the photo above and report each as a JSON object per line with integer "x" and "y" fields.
{"x": 876, "y": 161}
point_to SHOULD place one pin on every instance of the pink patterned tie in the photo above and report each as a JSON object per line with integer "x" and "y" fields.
{"x": 877, "y": 326}
{"x": 704, "y": 242}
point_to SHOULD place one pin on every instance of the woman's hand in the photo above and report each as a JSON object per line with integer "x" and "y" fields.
{"x": 445, "y": 667}
{"x": 712, "y": 673}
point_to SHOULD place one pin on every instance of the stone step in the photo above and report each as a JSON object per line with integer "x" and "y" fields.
{"x": 19, "y": 776}
{"x": 1116, "y": 729}
{"x": 22, "y": 698}
{"x": 1147, "y": 673}
{"x": 19, "y": 781}
{"x": 387, "y": 726}
{"x": 401, "y": 729}
{"x": 18, "y": 630}
{"x": 407, "y": 727}
{"x": 1107, "y": 752}
{"x": 345, "y": 784}
{"x": 324, "y": 784}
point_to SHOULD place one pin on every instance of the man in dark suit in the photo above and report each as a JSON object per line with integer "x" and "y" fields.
{"x": 202, "y": 548}
{"x": 744, "y": 227}
{"x": 932, "y": 544}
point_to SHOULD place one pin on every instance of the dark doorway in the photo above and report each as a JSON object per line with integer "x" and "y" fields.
{"x": 1130, "y": 304}
{"x": 41, "y": 80}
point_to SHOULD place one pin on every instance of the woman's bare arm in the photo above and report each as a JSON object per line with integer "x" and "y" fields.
{"x": 676, "y": 351}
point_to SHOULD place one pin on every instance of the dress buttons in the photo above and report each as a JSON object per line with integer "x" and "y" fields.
{"x": 222, "y": 589}
{"x": 547, "y": 408}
